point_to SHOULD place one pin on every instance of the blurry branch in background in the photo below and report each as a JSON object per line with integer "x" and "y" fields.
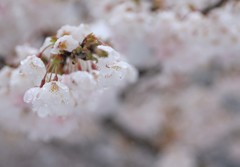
{"x": 156, "y": 5}
{"x": 218, "y": 4}
{"x": 2, "y": 61}
{"x": 114, "y": 127}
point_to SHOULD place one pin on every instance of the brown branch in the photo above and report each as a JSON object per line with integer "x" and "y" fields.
{"x": 218, "y": 4}
{"x": 113, "y": 126}
{"x": 2, "y": 62}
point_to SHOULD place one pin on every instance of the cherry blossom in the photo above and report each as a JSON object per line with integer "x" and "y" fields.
{"x": 52, "y": 99}
{"x": 71, "y": 72}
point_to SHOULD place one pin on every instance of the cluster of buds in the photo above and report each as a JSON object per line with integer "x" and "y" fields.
{"x": 70, "y": 72}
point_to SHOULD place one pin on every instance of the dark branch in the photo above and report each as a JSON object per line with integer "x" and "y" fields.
{"x": 2, "y": 62}
{"x": 111, "y": 125}
{"x": 208, "y": 9}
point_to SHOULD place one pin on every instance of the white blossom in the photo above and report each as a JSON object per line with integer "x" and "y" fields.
{"x": 30, "y": 73}
{"x": 66, "y": 30}
{"x": 83, "y": 88}
{"x": 114, "y": 71}
{"x": 52, "y": 99}
{"x": 78, "y": 33}
{"x": 66, "y": 43}
{"x": 81, "y": 81}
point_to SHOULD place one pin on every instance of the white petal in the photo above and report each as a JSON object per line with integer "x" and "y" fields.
{"x": 66, "y": 43}
{"x": 81, "y": 32}
{"x": 54, "y": 99}
{"x": 34, "y": 69}
{"x": 31, "y": 95}
{"x": 65, "y": 30}
{"x": 83, "y": 80}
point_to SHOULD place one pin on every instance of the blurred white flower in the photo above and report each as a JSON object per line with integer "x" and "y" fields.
{"x": 5, "y": 74}
{"x": 24, "y": 51}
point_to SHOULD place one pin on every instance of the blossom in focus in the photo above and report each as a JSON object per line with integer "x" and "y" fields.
{"x": 70, "y": 73}
{"x": 29, "y": 73}
{"x": 52, "y": 99}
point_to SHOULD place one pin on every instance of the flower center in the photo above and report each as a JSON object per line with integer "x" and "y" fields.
{"x": 83, "y": 58}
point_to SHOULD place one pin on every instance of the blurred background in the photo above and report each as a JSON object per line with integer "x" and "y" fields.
{"x": 184, "y": 110}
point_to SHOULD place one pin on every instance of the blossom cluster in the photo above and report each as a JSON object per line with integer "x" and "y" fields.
{"x": 70, "y": 73}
